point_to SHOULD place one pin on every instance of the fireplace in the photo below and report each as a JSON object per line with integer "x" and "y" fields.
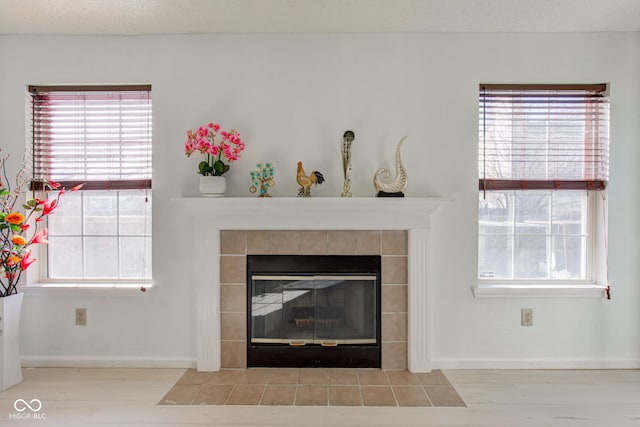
{"x": 221, "y": 274}
{"x": 314, "y": 311}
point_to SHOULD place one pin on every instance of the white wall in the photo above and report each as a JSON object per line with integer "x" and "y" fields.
{"x": 292, "y": 97}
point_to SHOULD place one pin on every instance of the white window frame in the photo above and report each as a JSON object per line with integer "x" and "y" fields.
{"x": 593, "y": 286}
{"x": 39, "y": 282}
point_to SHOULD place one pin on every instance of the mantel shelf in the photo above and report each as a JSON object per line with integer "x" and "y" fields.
{"x": 316, "y": 212}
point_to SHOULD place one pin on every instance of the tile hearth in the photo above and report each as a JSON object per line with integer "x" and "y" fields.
{"x": 313, "y": 387}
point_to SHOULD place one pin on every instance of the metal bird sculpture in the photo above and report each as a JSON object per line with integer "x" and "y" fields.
{"x": 307, "y": 181}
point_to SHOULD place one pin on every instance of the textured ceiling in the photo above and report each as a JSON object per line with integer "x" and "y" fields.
{"x": 311, "y": 16}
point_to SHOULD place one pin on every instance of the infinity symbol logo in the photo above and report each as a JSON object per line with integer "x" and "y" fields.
{"x": 21, "y": 405}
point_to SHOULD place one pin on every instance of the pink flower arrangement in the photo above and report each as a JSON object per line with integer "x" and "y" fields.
{"x": 215, "y": 144}
{"x": 15, "y": 252}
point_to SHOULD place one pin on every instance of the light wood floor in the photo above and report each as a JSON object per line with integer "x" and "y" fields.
{"x": 129, "y": 397}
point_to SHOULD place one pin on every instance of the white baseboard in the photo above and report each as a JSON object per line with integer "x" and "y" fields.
{"x": 535, "y": 364}
{"x": 190, "y": 363}
{"x": 105, "y": 362}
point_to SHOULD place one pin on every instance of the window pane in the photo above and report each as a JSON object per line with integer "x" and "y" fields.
{"x": 101, "y": 213}
{"x": 531, "y": 257}
{"x": 532, "y": 212}
{"x": 550, "y": 235}
{"x": 65, "y": 257}
{"x": 135, "y": 257}
{"x": 101, "y": 257}
{"x": 495, "y": 257}
{"x": 135, "y": 213}
{"x": 567, "y": 260}
{"x": 569, "y": 213}
{"x": 67, "y": 218}
{"x": 496, "y": 213}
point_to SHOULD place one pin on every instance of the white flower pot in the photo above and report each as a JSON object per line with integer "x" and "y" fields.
{"x": 213, "y": 186}
{"x": 10, "y": 368}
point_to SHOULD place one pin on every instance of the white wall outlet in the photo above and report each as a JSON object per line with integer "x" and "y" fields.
{"x": 526, "y": 317}
{"x": 81, "y": 317}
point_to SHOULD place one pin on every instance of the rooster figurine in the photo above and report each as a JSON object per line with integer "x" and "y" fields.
{"x": 307, "y": 181}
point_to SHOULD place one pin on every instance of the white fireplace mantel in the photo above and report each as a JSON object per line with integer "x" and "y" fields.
{"x": 210, "y": 215}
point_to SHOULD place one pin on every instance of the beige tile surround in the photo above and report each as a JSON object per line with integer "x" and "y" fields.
{"x": 236, "y": 244}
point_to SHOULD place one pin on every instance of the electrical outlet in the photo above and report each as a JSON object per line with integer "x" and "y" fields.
{"x": 81, "y": 317}
{"x": 526, "y": 317}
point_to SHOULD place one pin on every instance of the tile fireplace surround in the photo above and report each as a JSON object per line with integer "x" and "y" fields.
{"x": 398, "y": 229}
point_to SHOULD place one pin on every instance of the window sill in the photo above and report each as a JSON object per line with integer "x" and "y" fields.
{"x": 528, "y": 290}
{"x": 84, "y": 289}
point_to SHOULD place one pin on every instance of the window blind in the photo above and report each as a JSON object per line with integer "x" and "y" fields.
{"x": 96, "y": 135}
{"x": 543, "y": 137}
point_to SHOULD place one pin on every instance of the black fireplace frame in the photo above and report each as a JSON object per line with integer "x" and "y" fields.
{"x": 315, "y": 355}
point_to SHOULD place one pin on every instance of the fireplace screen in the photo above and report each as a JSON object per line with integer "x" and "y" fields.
{"x": 327, "y": 310}
{"x": 313, "y": 311}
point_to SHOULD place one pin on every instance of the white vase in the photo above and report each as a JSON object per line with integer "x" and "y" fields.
{"x": 10, "y": 368}
{"x": 213, "y": 186}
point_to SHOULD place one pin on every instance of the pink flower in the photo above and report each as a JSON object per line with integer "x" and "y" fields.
{"x": 76, "y": 187}
{"x": 203, "y": 146}
{"x": 40, "y": 236}
{"x": 203, "y": 131}
{"x": 27, "y": 260}
{"x": 49, "y": 206}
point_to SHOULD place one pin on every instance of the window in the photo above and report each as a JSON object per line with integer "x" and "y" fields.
{"x": 99, "y": 136}
{"x": 543, "y": 155}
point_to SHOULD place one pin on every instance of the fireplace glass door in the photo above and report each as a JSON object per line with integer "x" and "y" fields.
{"x": 325, "y": 310}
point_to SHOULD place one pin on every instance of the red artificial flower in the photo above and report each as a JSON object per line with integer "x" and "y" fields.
{"x": 49, "y": 206}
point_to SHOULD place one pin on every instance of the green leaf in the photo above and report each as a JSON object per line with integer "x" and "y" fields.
{"x": 204, "y": 168}
{"x": 15, "y": 228}
{"x": 4, "y": 226}
{"x": 3, "y": 191}
{"x": 220, "y": 167}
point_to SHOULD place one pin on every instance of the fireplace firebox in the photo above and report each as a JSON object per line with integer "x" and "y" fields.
{"x": 313, "y": 311}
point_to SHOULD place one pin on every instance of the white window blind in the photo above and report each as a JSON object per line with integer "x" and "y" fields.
{"x": 96, "y": 135}
{"x": 543, "y": 137}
